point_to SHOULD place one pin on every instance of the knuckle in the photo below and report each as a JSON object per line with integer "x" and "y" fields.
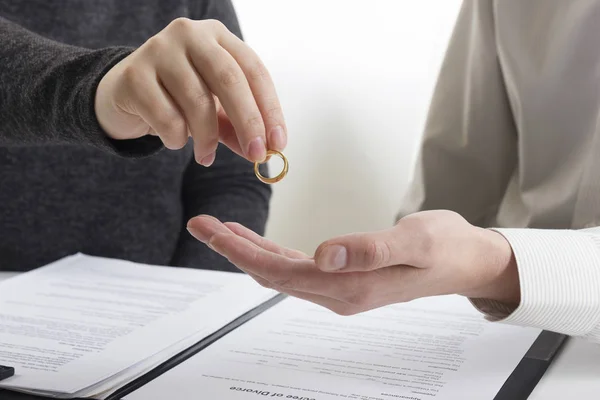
{"x": 273, "y": 111}
{"x": 174, "y": 123}
{"x": 423, "y": 235}
{"x": 255, "y": 122}
{"x": 229, "y": 77}
{"x": 182, "y": 24}
{"x": 426, "y": 237}
{"x": 376, "y": 253}
{"x": 214, "y": 25}
{"x": 170, "y": 122}
{"x": 156, "y": 45}
{"x": 131, "y": 76}
{"x": 255, "y": 258}
{"x": 202, "y": 99}
{"x": 258, "y": 71}
{"x": 212, "y": 53}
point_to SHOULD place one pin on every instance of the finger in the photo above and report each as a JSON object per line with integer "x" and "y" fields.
{"x": 226, "y": 79}
{"x": 278, "y": 269}
{"x": 365, "y": 251}
{"x": 154, "y": 105}
{"x": 262, "y": 87}
{"x": 203, "y": 227}
{"x": 197, "y": 103}
{"x": 260, "y": 241}
{"x": 227, "y": 134}
{"x": 360, "y": 290}
{"x": 297, "y": 274}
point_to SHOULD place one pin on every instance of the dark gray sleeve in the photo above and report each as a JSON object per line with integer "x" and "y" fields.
{"x": 47, "y": 92}
{"x": 228, "y": 190}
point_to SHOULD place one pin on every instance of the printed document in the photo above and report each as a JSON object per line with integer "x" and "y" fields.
{"x": 434, "y": 348}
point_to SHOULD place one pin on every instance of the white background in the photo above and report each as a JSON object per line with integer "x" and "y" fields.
{"x": 355, "y": 79}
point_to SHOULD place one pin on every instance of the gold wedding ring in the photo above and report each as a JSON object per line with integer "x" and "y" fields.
{"x": 277, "y": 178}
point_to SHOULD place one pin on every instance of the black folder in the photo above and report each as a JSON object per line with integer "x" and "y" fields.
{"x": 518, "y": 386}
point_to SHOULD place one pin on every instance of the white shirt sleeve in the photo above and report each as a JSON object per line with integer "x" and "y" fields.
{"x": 559, "y": 272}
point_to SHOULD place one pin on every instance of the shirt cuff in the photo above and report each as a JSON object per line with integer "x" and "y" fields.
{"x": 559, "y": 273}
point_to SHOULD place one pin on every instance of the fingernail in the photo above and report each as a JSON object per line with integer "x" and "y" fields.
{"x": 278, "y": 139}
{"x": 257, "y": 150}
{"x": 197, "y": 234}
{"x": 208, "y": 160}
{"x": 335, "y": 258}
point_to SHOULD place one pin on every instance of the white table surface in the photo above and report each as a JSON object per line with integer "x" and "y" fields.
{"x": 575, "y": 373}
{"x": 6, "y": 275}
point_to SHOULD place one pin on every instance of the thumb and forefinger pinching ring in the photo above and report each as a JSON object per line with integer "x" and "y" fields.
{"x": 277, "y": 178}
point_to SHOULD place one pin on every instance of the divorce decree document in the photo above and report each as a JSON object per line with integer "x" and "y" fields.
{"x": 435, "y": 348}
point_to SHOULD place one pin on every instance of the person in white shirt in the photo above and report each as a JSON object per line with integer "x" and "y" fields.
{"x": 508, "y": 171}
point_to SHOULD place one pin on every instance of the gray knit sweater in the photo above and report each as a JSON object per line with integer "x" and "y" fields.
{"x": 64, "y": 186}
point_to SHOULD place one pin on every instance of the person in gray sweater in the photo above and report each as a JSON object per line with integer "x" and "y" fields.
{"x": 121, "y": 121}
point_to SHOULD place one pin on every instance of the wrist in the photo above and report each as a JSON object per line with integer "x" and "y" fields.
{"x": 502, "y": 283}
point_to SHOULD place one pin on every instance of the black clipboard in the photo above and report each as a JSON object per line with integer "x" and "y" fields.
{"x": 518, "y": 386}
{"x": 532, "y": 367}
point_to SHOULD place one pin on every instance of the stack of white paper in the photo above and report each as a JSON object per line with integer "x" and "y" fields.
{"x": 85, "y": 326}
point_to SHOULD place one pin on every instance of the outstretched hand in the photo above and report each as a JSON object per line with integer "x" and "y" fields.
{"x": 426, "y": 254}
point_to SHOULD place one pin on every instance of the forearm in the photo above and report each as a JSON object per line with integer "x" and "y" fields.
{"x": 47, "y": 92}
{"x": 229, "y": 191}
